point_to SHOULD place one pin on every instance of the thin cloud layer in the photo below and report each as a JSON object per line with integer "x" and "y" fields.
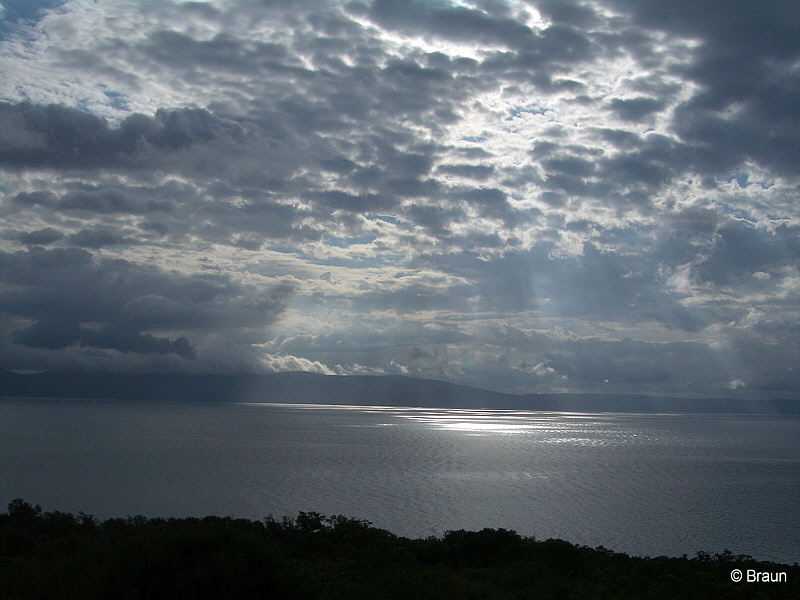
{"x": 525, "y": 196}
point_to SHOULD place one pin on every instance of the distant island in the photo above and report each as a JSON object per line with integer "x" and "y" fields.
{"x": 368, "y": 390}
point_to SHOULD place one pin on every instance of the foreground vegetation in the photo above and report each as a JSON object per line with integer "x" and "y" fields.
{"x": 59, "y": 555}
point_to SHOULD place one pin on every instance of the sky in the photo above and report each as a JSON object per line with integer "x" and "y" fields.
{"x": 524, "y": 196}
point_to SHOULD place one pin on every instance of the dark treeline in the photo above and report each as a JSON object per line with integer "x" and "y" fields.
{"x": 59, "y": 555}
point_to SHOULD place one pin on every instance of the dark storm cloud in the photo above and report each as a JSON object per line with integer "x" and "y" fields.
{"x": 738, "y": 25}
{"x": 74, "y": 298}
{"x": 97, "y": 238}
{"x": 103, "y": 199}
{"x": 40, "y": 237}
{"x": 132, "y": 341}
{"x": 724, "y": 143}
{"x": 745, "y": 61}
{"x": 116, "y": 200}
{"x": 57, "y": 334}
{"x": 54, "y": 136}
{"x": 52, "y": 334}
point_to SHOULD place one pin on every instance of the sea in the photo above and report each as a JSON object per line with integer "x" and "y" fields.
{"x": 644, "y": 484}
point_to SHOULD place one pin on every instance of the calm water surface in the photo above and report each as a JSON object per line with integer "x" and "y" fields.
{"x": 642, "y": 484}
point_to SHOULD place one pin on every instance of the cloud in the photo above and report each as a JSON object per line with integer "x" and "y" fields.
{"x": 744, "y": 65}
{"x": 52, "y": 334}
{"x": 742, "y": 250}
{"x": 56, "y": 334}
{"x": 277, "y": 363}
{"x": 97, "y": 238}
{"x": 479, "y": 172}
{"x": 69, "y": 297}
{"x": 635, "y": 109}
{"x": 40, "y": 237}
{"x": 385, "y": 186}
{"x": 453, "y": 22}
{"x": 54, "y": 136}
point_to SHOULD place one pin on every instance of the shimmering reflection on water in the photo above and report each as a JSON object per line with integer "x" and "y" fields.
{"x": 645, "y": 484}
